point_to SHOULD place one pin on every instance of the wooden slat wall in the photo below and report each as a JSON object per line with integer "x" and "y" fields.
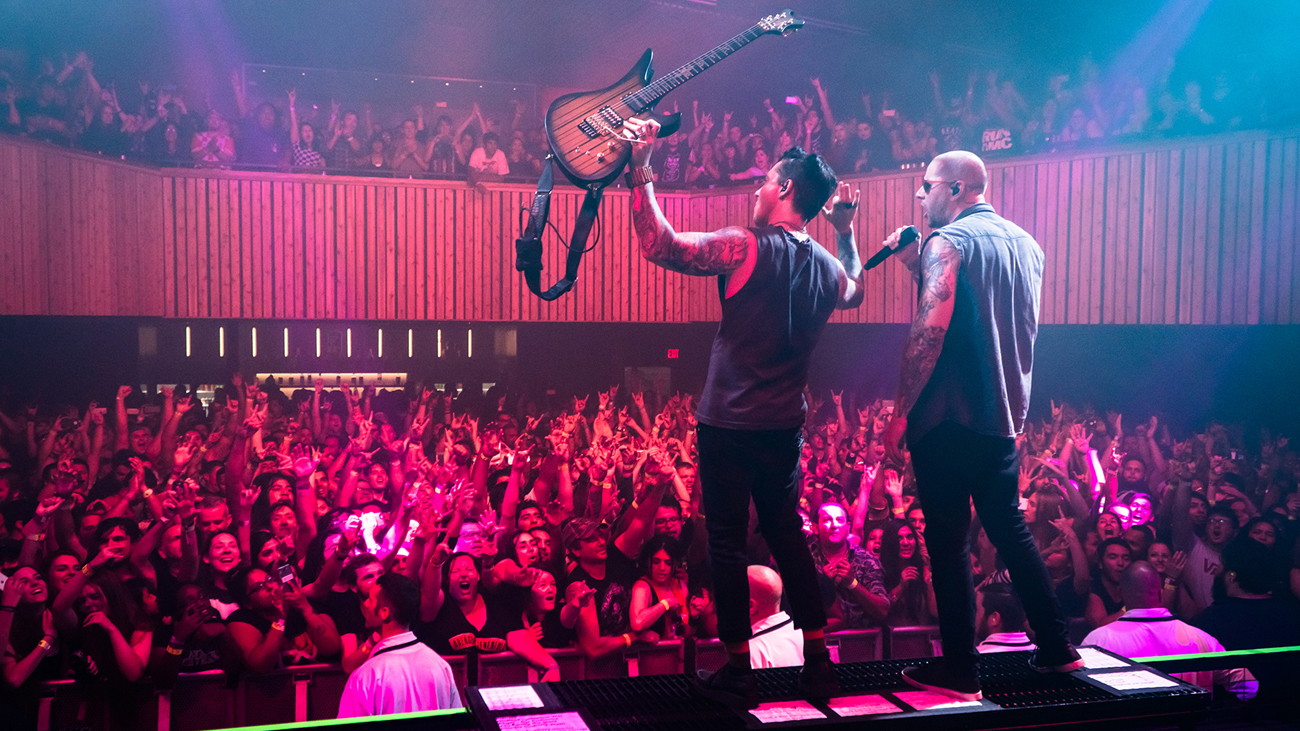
{"x": 1203, "y": 233}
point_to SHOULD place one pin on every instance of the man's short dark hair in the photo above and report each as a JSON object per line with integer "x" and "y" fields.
{"x": 128, "y": 526}
{"x": 491, "y": 137}
{"x": 354, "y": 565}
{"x": 1116, "y": 541}
{"x": 669, "y": 501}
{"x": 1002, "y": 599}
{"x": 1222, "y": 509}
{"x": 1253, "y": 565}
{"x": 814, "y": 181}
{"x": 402, "y": 594}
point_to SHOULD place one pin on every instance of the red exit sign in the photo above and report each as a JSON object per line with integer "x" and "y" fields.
{"x": 672, "y": 353}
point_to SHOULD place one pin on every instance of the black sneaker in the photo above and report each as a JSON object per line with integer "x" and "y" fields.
{"x": 728, "y": 684}
{"x": 1062, "y": 661}
{"x": 935, "y": 678}
{"x": 817, "y": 678}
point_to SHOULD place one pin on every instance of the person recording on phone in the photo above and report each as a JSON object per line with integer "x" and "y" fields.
{"x": 778, "y": 288}
{"x": 963, "y": 395}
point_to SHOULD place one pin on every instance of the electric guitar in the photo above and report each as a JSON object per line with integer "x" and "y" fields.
{"x": 583, "y": 128}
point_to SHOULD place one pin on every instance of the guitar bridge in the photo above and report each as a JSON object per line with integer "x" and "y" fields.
{"x": 604, "y": 122}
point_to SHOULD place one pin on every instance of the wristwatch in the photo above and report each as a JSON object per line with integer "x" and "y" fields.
{"x": 639, "y": 176}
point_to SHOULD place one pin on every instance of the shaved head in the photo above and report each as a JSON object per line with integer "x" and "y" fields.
{"x": 1139, "y": 585}
{"x": 953, "y": 182}
{"x": 960, "y": 165}
{"x": 764, "y": 592}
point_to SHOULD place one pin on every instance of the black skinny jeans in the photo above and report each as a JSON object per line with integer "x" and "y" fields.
{"x": 955, "y": 466}
{"x": 735, "y": 466}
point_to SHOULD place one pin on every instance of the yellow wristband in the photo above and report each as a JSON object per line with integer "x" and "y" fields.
{"x": 627, "y": 640}
{"x": 87, "y": 570}
{"x": 853, "y": 585}
{"x": 177, "y": 651}
{"x": 664, "y": 603}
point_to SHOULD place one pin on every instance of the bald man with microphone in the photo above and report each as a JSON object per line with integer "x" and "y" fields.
{"x": 962, "y": 399}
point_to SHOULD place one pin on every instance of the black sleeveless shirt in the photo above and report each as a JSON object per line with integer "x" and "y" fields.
{"x": 759, "y": 365}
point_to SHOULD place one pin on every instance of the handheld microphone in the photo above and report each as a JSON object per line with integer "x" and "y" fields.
{"x": 910, "y": 234}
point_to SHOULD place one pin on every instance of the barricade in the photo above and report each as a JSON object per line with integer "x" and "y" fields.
{"x": 913, "y": 642}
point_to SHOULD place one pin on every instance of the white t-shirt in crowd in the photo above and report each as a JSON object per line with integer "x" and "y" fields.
{"x": 402, "y": 675}
{"x": 481, "y": 163}
{"x": 776, "y": 643}
{"x": 1203, "y": 563}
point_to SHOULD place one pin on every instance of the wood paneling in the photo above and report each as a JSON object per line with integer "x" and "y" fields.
{"x": 1198, "y": 232}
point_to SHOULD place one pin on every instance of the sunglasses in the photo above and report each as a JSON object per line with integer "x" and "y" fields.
{"x": 927, "y": 184}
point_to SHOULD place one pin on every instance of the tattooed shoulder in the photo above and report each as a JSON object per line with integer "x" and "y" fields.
{"x": 702, "y": 254}
{"x": 940, "y": 263}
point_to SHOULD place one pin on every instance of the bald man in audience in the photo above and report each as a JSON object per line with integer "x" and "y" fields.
{"x": 776, "y": 642}
{"x": 1147, "y": 629}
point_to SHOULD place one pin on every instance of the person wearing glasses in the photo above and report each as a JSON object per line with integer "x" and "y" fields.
{"x": 275, "y": 624}
{"x": 963, "y": 395}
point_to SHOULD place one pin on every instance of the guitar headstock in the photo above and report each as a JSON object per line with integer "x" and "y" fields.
{"x": 783, "y": 23}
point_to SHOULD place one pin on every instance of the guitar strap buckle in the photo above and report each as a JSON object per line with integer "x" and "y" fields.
{"x": 528, "y": 247}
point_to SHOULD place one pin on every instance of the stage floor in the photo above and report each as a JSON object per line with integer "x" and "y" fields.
{"x": 1112, "y": 689}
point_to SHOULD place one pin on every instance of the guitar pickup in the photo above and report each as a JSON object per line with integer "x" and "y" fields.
{"x": 611, "y": 117}
{"x": 586, "y": 128}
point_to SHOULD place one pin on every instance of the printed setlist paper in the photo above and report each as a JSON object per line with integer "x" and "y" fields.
{"x": 1095, "y": 659}
{"x": 566, "y": 721}
{"x": 510, "y": 697}
{"x": 862, "y": 705}
{"x": 1133, "y": 680}
{"x": 783, "y": 711}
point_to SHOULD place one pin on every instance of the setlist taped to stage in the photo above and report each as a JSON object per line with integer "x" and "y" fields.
{"x": 862, "y": 705}
{"x": 783, "y": 711}
{"x": 924, "y": 700}
{"x": 510, "y": 697}
{"x": 1095, "y": 659}
{"x": 567, "y": 721}
{"x": 1133, "y": 680}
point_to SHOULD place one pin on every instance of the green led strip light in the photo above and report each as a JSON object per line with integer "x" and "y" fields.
{"x": 342, "y": 722}
{"x": 1216, "y": 655}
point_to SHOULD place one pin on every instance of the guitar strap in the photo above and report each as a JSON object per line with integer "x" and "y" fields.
{"x": 528, "y": 247}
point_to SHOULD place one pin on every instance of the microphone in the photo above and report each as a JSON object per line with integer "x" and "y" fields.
{"x": 910, "y": 234}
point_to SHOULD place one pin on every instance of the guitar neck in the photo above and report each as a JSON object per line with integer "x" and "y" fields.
{"x": 647, "y": 97}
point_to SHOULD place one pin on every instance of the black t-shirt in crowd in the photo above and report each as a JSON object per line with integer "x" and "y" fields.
{"x": 450, "y": 633}
{"x": 554, "y": 634}
{"x": 197, "y": 656}
{"x": 294, "y": 626}
{"x": 613, "y": 593}
{"x": 344, "y": 607}
{"x": 669, "y": 165}
{"x": 1249, "y": 624}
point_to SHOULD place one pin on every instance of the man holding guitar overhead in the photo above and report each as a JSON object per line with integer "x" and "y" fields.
{"x": 778, "y": 288}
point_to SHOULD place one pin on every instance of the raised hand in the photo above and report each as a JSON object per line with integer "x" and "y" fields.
{"x": 579, "y": 594}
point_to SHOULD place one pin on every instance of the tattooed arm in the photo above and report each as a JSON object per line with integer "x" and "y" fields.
{"x": 839, "y": 212}
{"x": 699, "y": 254}
{"x": 940, "y": 263}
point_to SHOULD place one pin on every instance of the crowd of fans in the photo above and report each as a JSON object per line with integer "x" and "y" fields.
{"x": 164, "y": 535}
{"x": 990, "y": 114}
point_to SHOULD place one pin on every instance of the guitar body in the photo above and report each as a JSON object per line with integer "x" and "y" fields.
{"x": 582, "y": 128}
